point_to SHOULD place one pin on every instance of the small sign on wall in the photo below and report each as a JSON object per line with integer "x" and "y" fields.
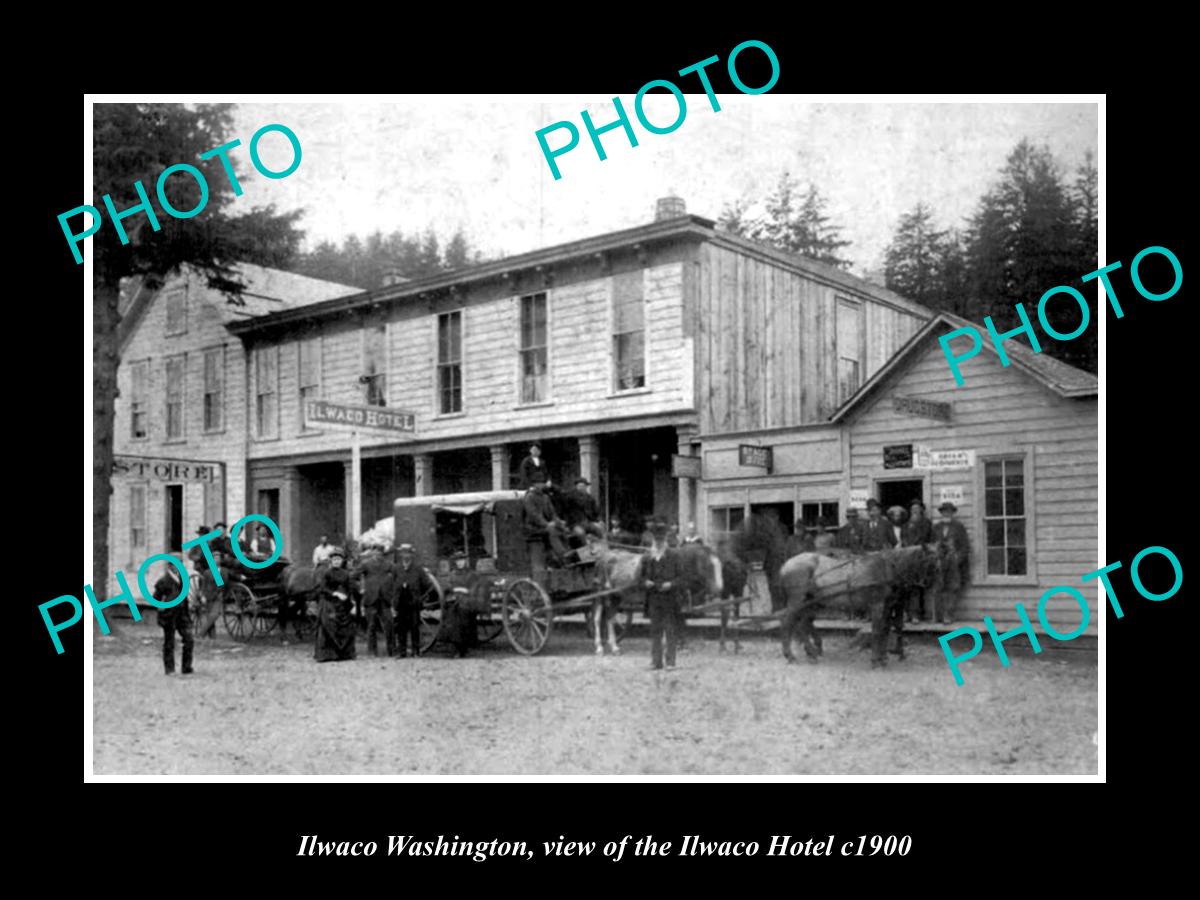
{"x": 758, "y": 457}
{"x": 859, "y": 497}
{"x": 951, "y": 493}
{"x": 685, "y": 466}
{"x": 898, "y": 456}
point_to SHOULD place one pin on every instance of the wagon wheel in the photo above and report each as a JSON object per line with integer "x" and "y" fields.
{"x": 431, "y": 613}
{"x": 241, "y": 608}
{"x": 266, "y": 617}
{"x": 527, "y": 616}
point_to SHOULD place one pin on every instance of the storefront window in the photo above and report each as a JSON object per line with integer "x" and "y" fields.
{"x": 723, "y": 521}
{"x": 1004, "y": 516}
{"x": 822, "y": 515}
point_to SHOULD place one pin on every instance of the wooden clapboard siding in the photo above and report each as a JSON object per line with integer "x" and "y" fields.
{"x": 767, "y": 341}
{"x": 580, "y": 363}
{"x": 1000, "y": 410}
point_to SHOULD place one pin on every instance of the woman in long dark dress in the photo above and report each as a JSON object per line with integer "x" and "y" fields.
{"x": 336, "y": 629}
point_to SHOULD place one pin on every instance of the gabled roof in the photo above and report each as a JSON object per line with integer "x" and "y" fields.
{"x": 267, "y": 291}
{"x": 1062, "y": 378}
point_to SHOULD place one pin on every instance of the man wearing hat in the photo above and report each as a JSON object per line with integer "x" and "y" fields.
{"x": 533, "y": 468}
{"x": 952, "y": 573}
{"x": 917, "y": 532}
{"x": 411, "y": 585}
{"x": 378, "y": 588}
{"x": 176, "y": 618}
{"x": 658, "y": 574}
{"x": 543, "y": 527}
{"x": 850, "y": 535}
{"x": 582, "y": 511}
{"x": 877, "y": 532}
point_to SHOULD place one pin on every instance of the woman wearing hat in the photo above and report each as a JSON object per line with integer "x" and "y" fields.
{"x": 336, "y": 629}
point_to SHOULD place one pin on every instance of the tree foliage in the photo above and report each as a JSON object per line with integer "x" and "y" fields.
{"x": 793, "y": 219}
{"x": 364, "y": 264}
{"x": 1030, "y": 232}
{"x": 135, "y": 142}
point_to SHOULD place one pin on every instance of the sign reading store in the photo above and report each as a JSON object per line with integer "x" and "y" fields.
{"x": 165, "y": 469}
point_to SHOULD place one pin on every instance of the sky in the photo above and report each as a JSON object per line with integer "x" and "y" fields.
{"x": 448, "y": 162}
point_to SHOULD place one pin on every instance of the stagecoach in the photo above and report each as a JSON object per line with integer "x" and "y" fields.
{"x": 508, "y": 596}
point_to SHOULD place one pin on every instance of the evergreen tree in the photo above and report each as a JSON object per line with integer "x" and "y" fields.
{"x": 794, "y": 220}
{"x": 1022, "y": 241}
{"x": 134, "y": 142}
{"x": 912, "y": 262}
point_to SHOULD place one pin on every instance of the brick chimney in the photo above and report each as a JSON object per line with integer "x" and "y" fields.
{"x": 669, "y": 207}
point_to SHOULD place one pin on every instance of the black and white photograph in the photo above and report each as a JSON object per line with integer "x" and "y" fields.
{"x": 518, "y": 435}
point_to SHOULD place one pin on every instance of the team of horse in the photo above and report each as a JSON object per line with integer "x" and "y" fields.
{"x": 718, "y": 579}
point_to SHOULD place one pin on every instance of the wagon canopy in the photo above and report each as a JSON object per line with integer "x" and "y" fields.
{"x": 462, "y": 504}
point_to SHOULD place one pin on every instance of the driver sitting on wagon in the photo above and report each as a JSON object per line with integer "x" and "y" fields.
{"x": 543, "y": 528}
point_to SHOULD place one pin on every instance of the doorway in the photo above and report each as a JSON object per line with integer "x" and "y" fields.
{"x": 268, "y": 504}
{"x": 783, "y": 513}
{"x": 174, "y": 518}
{"x": 900, "y": 493}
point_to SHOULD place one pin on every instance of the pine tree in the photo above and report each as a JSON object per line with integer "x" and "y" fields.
{"x": 134, "y": 142}
{"x": 912, "y": 262}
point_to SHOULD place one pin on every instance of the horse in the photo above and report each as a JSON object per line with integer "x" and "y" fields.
{"x": 616, "y": 570}
{"x": 873, "y": 582}
{"x": 702, "y": 577}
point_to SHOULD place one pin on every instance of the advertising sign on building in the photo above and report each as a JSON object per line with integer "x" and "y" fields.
{"x": 898, "y": 456}
{"x": 322, "y": 412}
{"x": 164, "y": 469}
{"x": 752, "y": 455}
{"x": 859, "y": 498}
{"x": 951, "y": 493}
{"x": 685, "y": 466}
{"x": 951, "y": 460}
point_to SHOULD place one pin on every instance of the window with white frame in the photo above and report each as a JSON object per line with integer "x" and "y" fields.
{"x": 137, "y": 516}
{"x": 214, "y": 389}
{"x": 139, "y": 377}
{"x": 629, "y": 332}
{"x": 266, "y": 392}
{"x": 375, "y": 365}
{"x": 176, "y": 305}
{"x": 723, "y": 521}
{"x": 849, "y": 348}
{"x": 1004, "y": 516}
{"x": 449, "y": 362}
{"x": 176, "y": 368}
{"x": 535, "y": 382}
{"x": 309, "y": 377}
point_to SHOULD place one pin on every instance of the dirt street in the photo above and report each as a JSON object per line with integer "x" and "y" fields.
{"x": 265, "y": 709}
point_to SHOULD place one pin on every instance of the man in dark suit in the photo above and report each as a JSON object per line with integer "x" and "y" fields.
{"x": 582, "y": 512}
{"x": 543, "y": 527}
{"x": 850, "y": 535}
{"x": 377, "y": 575}
{"x": 177, "y": 618}
{"x": 411, "y": 584}
{"x": 953, "y": 568}
{"x": 533, "y": 468}
{"x": 658, "y": 574}
{"x": 917, "y": 532}
{"x": 877, "y": 532}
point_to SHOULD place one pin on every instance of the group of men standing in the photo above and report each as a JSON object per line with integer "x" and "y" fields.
{"x": 393, "y": 592}
{"x": 946, "y": 539}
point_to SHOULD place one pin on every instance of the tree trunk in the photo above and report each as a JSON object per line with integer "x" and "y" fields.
{"x": 105, "y": 357}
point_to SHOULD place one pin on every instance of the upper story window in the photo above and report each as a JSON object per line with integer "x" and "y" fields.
{"x": 375, "y": 365}
{"x": 176, "y": 370}
{"x": 176, "y": 303}
{"x": 449, "y": 362}
{"x": 214, "y": 389}
{"x": 629, "y": 332}
{"x": 266, "y": 392}
{"x": 535, "y": 382}
{"x": 309, "y": 376}
{"x": 139, "y": 376}
{"x": 849, "y": 348}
